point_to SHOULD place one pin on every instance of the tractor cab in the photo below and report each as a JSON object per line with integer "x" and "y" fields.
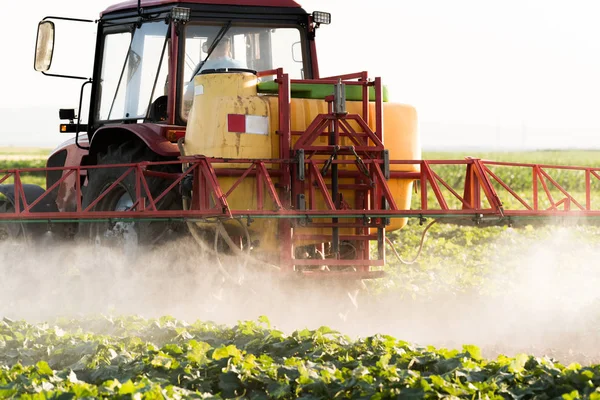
{"x": 148, "y": 52}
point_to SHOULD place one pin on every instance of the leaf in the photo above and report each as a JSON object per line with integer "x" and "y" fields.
{"x": 325, "y": 330}
{"x": 595, "y": 396}
{"x": 278, "y": 390}
{"x": 473, "y": 351}
{"x": 162, "y": 360}
{"x": 518, "y": 363}
{"x": 571, "y": 396}
{"x": 303, "y": 334}
{"x": 7, "y": 392}
{"x": 224, "y": 352}
{"x": 230, "y": 384}
{"x": 127, "y": 388}
{"x": 197, "y": 352}
{"x": 573, "y": 367}
{"x": 44, "y": 369}
{"x": 172, "y": 349}
{"x": 264, "y": 320}
{"x": 437, "y": 381}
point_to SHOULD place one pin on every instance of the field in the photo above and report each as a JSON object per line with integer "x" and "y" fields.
{"x": 491, "y": 312}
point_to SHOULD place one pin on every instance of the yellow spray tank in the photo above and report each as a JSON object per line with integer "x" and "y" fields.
{"x": 229, "y": 118}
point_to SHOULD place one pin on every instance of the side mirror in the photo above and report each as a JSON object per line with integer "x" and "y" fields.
{"x": 66, "y": 113}
{"x": 44, "y": 46}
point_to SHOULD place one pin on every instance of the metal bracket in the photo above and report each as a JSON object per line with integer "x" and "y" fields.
{"x": 328, "y": 162}
{"x": 301, "y": 167}
{"x": 339, "y": 98}
{"x": 301, "y": 202}
{"x": 386, "y": 164}
{"x": 361, "y": 165}
{"x": 385, "y": 205}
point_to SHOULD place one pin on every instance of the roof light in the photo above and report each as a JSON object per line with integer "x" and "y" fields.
{"x": 321, "y": 17}
{"x": 180, "y": 14}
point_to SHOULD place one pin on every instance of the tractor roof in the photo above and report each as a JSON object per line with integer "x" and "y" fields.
{"x": 132, "y": 4}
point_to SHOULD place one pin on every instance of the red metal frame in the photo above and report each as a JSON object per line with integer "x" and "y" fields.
{"x": 481, "y": 185}
{"x": 284, "y": 183}
{"x": 471, "y": 202}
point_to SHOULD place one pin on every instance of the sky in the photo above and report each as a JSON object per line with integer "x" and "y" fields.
{"x": 512, "y": 74}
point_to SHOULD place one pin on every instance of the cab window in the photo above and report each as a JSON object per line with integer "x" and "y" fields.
{"x": 252, "y": 47}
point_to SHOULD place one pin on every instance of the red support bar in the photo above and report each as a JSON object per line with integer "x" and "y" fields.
{"x": 5, "y": 177}
{"x": 450, "y": 189}
{"x": 384, "y": 187}
{"x": 588, "y": 186}
{"x": 472, "y": 191}
{"x": 374, "y": 136}
{"x": 349, "y": 134}
{"x": 260, "y": 166}
{"x": 505, "y": 186}
{"x": 535, "y": 188}
{"x": 50, "y": 189}
{"x": 423, "y": 180}
{"x": 213, "y": 183}
{"x": 327, "y": 82}
{"x": 488, "y": 189}
{"x": 355, "y": 75}
{"x": 312, "y": 200}
{"x": 321, "y": 184}
{"x": 260, "y": 190}
{"x": 172, "y": 186}
{"x": 139, "y": 206}
{"x": 316, "y": 128}
{"x": 19, "y": 194}
{"x": 436, "y": 189}
{"x": 562, "y": 190}
{"x": 285, "y": 146}
{"x": 365, "y": 96}
{"x": 379, "y": 109}
{"x": 240, "y": 180}
{"x": 144, "y": 183}
{"x": 111, "y": 187}
{"x": 545, "y": 186}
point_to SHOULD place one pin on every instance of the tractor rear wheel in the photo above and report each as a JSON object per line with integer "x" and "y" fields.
{"x": 121, "y": 198}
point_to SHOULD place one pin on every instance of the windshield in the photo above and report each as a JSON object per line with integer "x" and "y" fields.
{"x": 134, "y": 71}
{"x": 252, "y": 47}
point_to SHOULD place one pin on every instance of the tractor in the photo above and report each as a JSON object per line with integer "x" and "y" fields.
{"x": 237, "y": 81}
{"x": 210, "y": 119}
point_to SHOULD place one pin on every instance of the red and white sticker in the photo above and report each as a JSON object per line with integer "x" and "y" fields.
{"x": 253, "y": 124}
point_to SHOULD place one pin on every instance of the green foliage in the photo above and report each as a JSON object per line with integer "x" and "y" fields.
{"x": 166, "y": 358}
{"x": 34, "y": 178}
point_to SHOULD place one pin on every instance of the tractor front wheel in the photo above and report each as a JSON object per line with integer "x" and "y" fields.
{"x": 121, "y": 197}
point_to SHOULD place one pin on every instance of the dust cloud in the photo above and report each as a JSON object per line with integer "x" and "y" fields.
{"x": 546, "y": 300}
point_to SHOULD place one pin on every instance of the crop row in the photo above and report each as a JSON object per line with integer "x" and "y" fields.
{"x": 137, "y": 358}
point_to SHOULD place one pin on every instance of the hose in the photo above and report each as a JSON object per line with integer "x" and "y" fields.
{"x": 420, "y": 245}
